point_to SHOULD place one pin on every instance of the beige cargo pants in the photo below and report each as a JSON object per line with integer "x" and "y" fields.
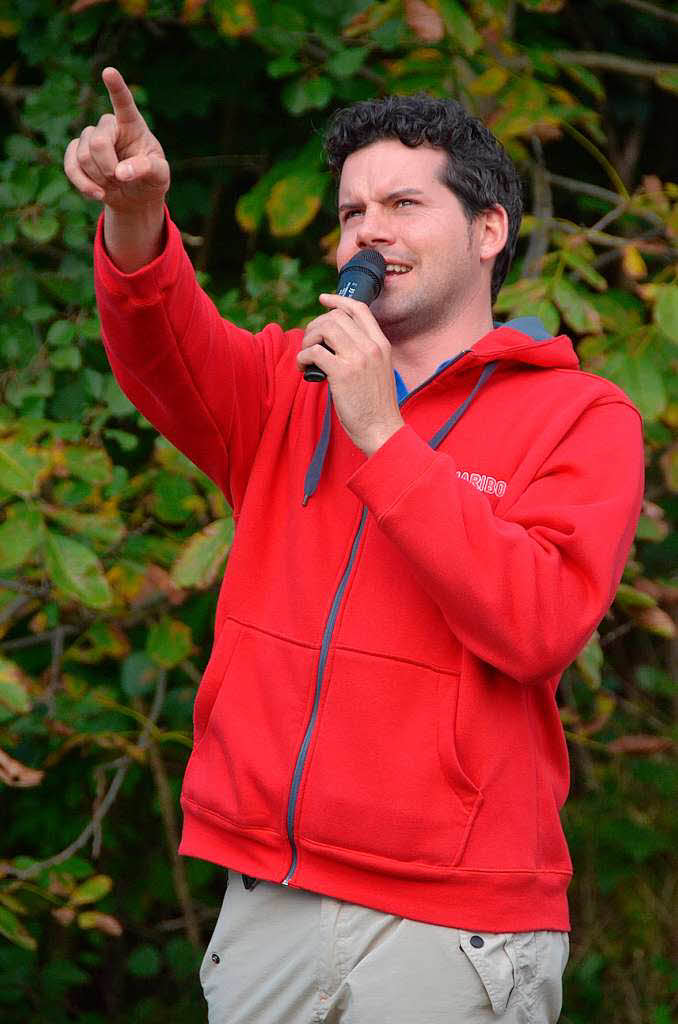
{"x": 283, "y": 956}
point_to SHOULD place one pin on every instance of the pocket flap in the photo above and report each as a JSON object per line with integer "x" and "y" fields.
{"x": 493, "y": 965}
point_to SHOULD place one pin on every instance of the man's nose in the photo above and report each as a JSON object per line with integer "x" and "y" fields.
{"x": 375, "y": 227}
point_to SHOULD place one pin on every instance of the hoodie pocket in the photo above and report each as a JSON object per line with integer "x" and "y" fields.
{"x": 251, "y": 717}
{"x": 375, "y": 783}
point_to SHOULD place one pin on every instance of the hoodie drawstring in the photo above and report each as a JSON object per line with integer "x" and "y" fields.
{"x": 317, "y": 462}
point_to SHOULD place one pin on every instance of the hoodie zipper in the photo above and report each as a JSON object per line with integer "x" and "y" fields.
{"x": 324, "y": 651}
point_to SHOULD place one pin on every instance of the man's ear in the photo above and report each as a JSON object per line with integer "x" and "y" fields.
{"x": 493, "y": 231}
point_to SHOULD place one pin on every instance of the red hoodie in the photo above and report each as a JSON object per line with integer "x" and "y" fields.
{"x": 378, "y": 721}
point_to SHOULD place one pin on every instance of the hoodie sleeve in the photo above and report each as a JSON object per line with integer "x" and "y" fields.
{"x": 523, "y": 590}
{"x": 203, "y": 383}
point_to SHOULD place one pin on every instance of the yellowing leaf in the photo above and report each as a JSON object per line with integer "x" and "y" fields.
{"x": 105, "y": 923}
{"x": 668, "y": 80}
{"x": 12, "y": 929}
{"x": 235, "y": 18}
{"x": 203, "y": 556}
{"x": 108, "y": 530}
{"x": 424, "y": 21}
{"x": 21, "y": 468}
{"x": 657, "y": 621}
{"x": 633, "y": 263}
{"x": 76, "y": 570}
{"x": 628, "y": 597}
{"x": 490, "y": 82}
{"x": 14, "y": 773}
{"x": 294, "y": 202}
{"x": 13, "y": 693}
{"x": 92, "y": 890}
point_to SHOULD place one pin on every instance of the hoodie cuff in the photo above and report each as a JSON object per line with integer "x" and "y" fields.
{"x": 387, "y": 475}
{"x": 145, "y": 284}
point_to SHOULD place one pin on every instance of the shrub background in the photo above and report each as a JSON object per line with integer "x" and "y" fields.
{"x": 112, "y": 543}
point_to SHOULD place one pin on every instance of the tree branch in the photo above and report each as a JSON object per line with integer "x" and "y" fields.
{"x": 107, "y": 802}
{"x": 603, "y": 61}
{"x": 657, "y": 12}
{"x": 543, "y": 211}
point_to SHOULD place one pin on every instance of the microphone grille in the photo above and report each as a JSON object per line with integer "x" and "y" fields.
{"x": 368, "y": 259}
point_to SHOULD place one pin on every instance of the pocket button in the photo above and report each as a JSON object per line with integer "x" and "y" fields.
{"x": 477, "y": 942}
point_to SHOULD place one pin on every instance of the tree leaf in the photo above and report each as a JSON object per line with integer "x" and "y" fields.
{"x": 578, "y": 312}
{"x": 460, "y": 26}
{"x": 668, "y": 80}
{"x": 490, "y": 82}
{"x": 235, "y": 18}
{"x": 76, "y": 570}
{"x": 105, "y": 923}
{"x": 39, "y": 227}
{"x": 91, "y": 891}
{"x": 666, "y": 310}
{"x": 657, "y": 621}
{"x": 590, "y": 662}
{"x": 88, "y": 463}
{"x": 22, "y": 469}
{"x": 294, "y": 202}
{"x": 310, "y": 93}
{"x": 628, "y": 597}
{"x": 424, "y": 21}
{"x": 169, "y": 642}
{"x": 144, "y": 962}
{"x": 20, "y": 534}
{"x": 13, "y": 693}
{"x": 201, "y": 559}
{"x": 12, "y": 928}
{"x": 668, "y": 462}
{"x": 108, "y": 530}
{"x": 347, "y": 61}
{"x": 639, "y": 377}
{"x": 173, "y": 498}
{"x": 14, "y": 773}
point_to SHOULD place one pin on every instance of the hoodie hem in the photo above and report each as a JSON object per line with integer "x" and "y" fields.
{"x": 503, "y": 900}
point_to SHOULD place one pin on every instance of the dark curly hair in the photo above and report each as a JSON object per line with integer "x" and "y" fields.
{"x": 478, "y": 170}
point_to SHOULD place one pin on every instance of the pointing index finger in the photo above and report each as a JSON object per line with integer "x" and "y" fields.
{"x": 122, "y": 101}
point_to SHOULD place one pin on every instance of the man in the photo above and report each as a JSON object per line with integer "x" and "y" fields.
{"x": 415, "y": 562}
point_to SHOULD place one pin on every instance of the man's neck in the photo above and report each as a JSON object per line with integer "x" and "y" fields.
{"x": 417, "y": 358}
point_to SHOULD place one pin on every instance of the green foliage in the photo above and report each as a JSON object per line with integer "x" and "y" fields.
{"x": 112, "y": 544}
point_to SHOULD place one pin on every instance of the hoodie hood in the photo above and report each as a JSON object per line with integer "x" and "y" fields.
{"x": 525, "y": 340}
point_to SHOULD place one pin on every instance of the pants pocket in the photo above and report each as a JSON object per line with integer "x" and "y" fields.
{"x": 489, "y": 957}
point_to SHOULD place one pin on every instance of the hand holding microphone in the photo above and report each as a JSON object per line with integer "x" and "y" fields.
{"x": 347, "y": 345}
{"x": 362, "y": 278}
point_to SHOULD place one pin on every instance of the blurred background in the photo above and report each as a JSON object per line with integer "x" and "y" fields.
{"x": 112, "y": 544}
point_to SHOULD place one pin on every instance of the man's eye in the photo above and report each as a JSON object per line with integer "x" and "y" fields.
{"x": 350, "y": 213}
{"x": 405, "y": 202}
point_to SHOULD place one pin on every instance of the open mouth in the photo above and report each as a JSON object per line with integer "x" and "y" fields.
{"x": 396, "y": 269}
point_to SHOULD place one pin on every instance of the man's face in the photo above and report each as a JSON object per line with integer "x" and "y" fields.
{"x": 391, "y": 198}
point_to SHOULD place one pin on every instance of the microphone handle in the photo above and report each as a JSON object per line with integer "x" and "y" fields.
{"x": 362, "y": 289}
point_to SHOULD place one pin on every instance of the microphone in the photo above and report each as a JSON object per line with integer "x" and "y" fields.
{"x": 362, "y": 278}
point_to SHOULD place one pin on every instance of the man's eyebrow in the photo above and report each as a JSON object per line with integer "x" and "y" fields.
{"x": 396, "y": 194}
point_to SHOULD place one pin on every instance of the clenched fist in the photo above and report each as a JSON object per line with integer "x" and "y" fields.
{"x": 122, "y": 164}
